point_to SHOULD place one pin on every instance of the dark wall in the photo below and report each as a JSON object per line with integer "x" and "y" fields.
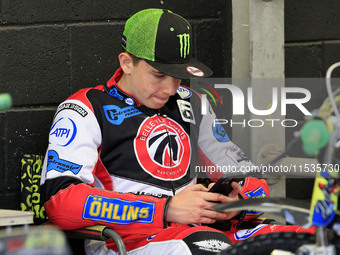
{"x": 312, "y": 37}
{"x": 312, "y": 44}
{"x": 50, "y": 49}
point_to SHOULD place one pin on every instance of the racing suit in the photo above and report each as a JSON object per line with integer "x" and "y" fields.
{"x": 115, "y": 162}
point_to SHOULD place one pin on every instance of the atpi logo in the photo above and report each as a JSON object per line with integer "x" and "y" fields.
{"x": 162, "y": 148}
{"x": 63, "y": 132}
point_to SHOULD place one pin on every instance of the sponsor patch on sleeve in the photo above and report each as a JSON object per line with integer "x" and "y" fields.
{"x": 61, "y": 165}
{"x": 257, "y": 193}
{"x": 184, "y": 92}
{"x": 119, "y": 211}
{"x": 220, "y": 133}
{"x": 74, "y": 107}
{"x": 186, "y": 111}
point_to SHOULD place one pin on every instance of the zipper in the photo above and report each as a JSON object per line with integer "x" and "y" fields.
{"x": 160, "y": 117}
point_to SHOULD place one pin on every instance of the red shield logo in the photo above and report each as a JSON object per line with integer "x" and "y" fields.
{"x": 162, "y": 148}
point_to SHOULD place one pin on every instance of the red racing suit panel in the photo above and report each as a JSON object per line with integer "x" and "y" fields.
{"x": 94, "y": 206}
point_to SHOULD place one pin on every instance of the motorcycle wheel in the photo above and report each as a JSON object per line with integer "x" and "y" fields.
{"x": 266, "y": 243}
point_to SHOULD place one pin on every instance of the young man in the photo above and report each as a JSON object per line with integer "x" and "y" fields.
{"x": 119, "y": 154}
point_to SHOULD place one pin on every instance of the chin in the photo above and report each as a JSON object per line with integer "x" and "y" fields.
{"x": 155, "y": 106}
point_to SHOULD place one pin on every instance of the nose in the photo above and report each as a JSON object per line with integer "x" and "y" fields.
{"x": 172, "y": 85}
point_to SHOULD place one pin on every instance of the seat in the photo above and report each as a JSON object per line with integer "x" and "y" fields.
{"x": 100, "y": 233}
{"x": 31, "y": 167}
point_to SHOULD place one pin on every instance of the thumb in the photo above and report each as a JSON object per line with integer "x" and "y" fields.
{"x": 236, "y": 189}
{"x": 210, "y": 185}
{"x": 198, "y": 187}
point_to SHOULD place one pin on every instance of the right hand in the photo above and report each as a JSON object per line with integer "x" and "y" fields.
{"x": 193, "y": 205}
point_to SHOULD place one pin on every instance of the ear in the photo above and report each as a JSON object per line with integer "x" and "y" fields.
{"x": 125, "y": 62}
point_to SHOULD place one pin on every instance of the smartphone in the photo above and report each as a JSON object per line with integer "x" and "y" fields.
{"x": 223, "y": 185}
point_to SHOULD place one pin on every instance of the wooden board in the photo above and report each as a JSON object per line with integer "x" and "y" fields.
{"x": 13, "y": 217}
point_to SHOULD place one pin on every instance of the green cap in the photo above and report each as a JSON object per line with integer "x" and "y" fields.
{"x": 164, "y": 40}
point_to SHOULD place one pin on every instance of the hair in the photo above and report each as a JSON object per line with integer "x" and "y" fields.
{"x": 135, "y": 60}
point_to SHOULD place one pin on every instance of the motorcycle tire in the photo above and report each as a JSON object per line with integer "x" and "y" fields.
{"x": 266, "y": 243}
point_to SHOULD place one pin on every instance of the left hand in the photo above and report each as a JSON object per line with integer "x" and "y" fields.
{"x": 233, "y": 196}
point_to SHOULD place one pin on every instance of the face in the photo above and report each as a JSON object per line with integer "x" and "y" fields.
{"x": 151, "y": 87}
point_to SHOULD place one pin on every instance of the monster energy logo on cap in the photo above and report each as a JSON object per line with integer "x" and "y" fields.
{"x": 184, "y": 40}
